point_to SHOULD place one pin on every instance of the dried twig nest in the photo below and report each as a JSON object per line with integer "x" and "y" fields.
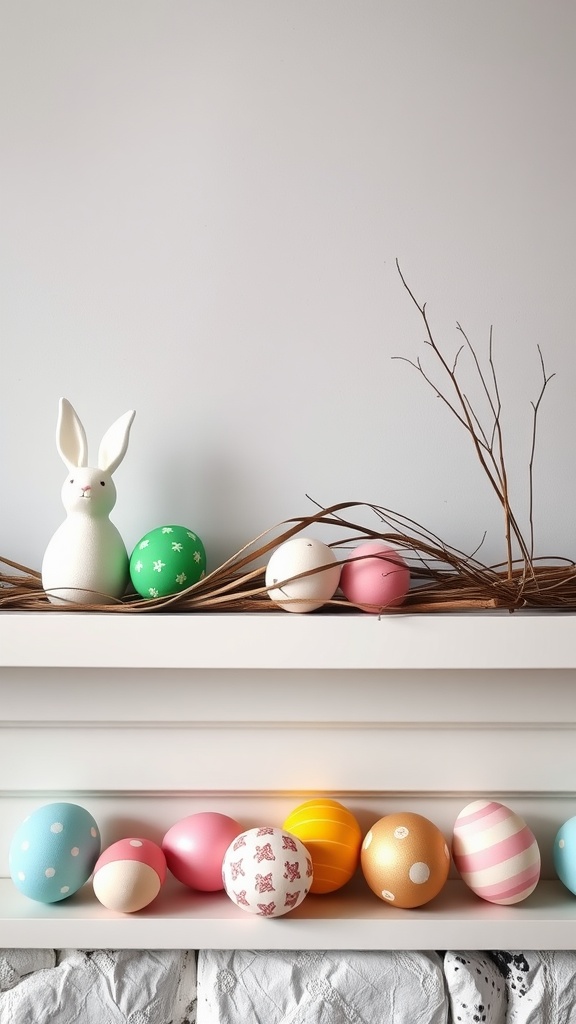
{"x": 443, "y": 577}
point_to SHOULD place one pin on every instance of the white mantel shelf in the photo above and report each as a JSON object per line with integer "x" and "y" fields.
{"x": 276, "y": 640}
{"x": 350, "y": 919}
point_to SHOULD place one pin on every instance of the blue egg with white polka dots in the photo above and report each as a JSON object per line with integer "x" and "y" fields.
{"x": 54, "y": 851}
{"x": 565, "y": 854}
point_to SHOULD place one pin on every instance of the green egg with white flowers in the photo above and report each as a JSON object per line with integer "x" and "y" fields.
{"x": 166, "y": 561}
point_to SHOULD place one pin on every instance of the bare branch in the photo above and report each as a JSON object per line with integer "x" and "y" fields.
{"x": 479, "y": 370}
{"x": 485, "y": 442}
{"x": 418, "y": 366}
{"x": 535, "y": 406}
{"x": 454, "y": 364}
{"x": 490, "y": 454}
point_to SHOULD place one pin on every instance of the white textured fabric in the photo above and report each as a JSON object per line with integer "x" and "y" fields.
{"x": 283, "y": 987}
{"x": 305, "y": 987}
{"x": 476, "y": 988}
{"x": 100, "y": 987}
{"x": 540, "y": 986}
{"x": 15, "y": 964}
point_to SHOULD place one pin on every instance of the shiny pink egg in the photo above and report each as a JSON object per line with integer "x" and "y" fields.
{"x": 195, "y": 846}
{"x": 129, "y": 874}
{"x": 375, "y": 576}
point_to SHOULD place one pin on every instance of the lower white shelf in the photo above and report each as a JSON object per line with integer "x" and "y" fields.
{"x": 352, "y": 918}
{"x": 144, "y": 720}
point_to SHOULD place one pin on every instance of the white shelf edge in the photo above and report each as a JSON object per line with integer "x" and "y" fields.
{"x": 283, "y": 640}
{"x": 354, "y": 919}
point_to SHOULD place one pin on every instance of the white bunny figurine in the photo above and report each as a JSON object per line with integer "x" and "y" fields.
{"x": 86, "y": 560}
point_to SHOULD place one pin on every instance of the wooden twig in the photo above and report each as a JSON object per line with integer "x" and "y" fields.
{"x": 490, "y": 450}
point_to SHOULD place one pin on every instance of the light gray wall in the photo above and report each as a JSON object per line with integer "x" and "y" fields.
{"x": 201, "y": 207}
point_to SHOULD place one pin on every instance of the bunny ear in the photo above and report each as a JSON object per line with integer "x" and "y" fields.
{"x": 115, "y": 442}
{"x": 70, "y": 437}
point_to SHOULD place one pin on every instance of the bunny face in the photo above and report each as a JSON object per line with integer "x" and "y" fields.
{"x": 88, "y": 492}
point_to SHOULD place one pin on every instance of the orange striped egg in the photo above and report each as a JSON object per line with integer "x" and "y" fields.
{"x": 332, "y": 837}
{"x": 495, "y": 852}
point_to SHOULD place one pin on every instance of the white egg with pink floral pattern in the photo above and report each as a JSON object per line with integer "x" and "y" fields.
{"x": 267, "y": 871}
{"x": 495, "y": 852}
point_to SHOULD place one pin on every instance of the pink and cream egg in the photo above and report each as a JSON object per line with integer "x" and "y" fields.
{"x": 129, "y": 874}
{"x": 495, "y": 852}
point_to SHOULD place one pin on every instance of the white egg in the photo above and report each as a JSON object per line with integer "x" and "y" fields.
{"x": 300, "y": 555}
{"x": 267, "y": 871}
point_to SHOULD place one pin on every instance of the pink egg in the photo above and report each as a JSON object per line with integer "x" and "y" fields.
{"x": 267, "y": 871}
{"x": 194, "y": 848}
{"x": 378, "y": 579}
{"x": 495, "y": 852}
{"x": 129, "y": 874}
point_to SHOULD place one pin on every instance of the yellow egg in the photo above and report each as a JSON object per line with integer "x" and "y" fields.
{"x": 332, "y": 837}
{"x": 405, "y": 859}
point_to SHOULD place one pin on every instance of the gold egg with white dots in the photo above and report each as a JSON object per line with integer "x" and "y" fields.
{"x": 405, "y": 859}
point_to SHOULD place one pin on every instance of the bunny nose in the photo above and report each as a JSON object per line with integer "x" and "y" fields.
{"x": 85, "y": 488}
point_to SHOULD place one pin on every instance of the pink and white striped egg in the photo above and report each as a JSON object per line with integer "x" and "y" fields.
{"x": 495, "y": 852}
{"x": 129, "y": 874}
